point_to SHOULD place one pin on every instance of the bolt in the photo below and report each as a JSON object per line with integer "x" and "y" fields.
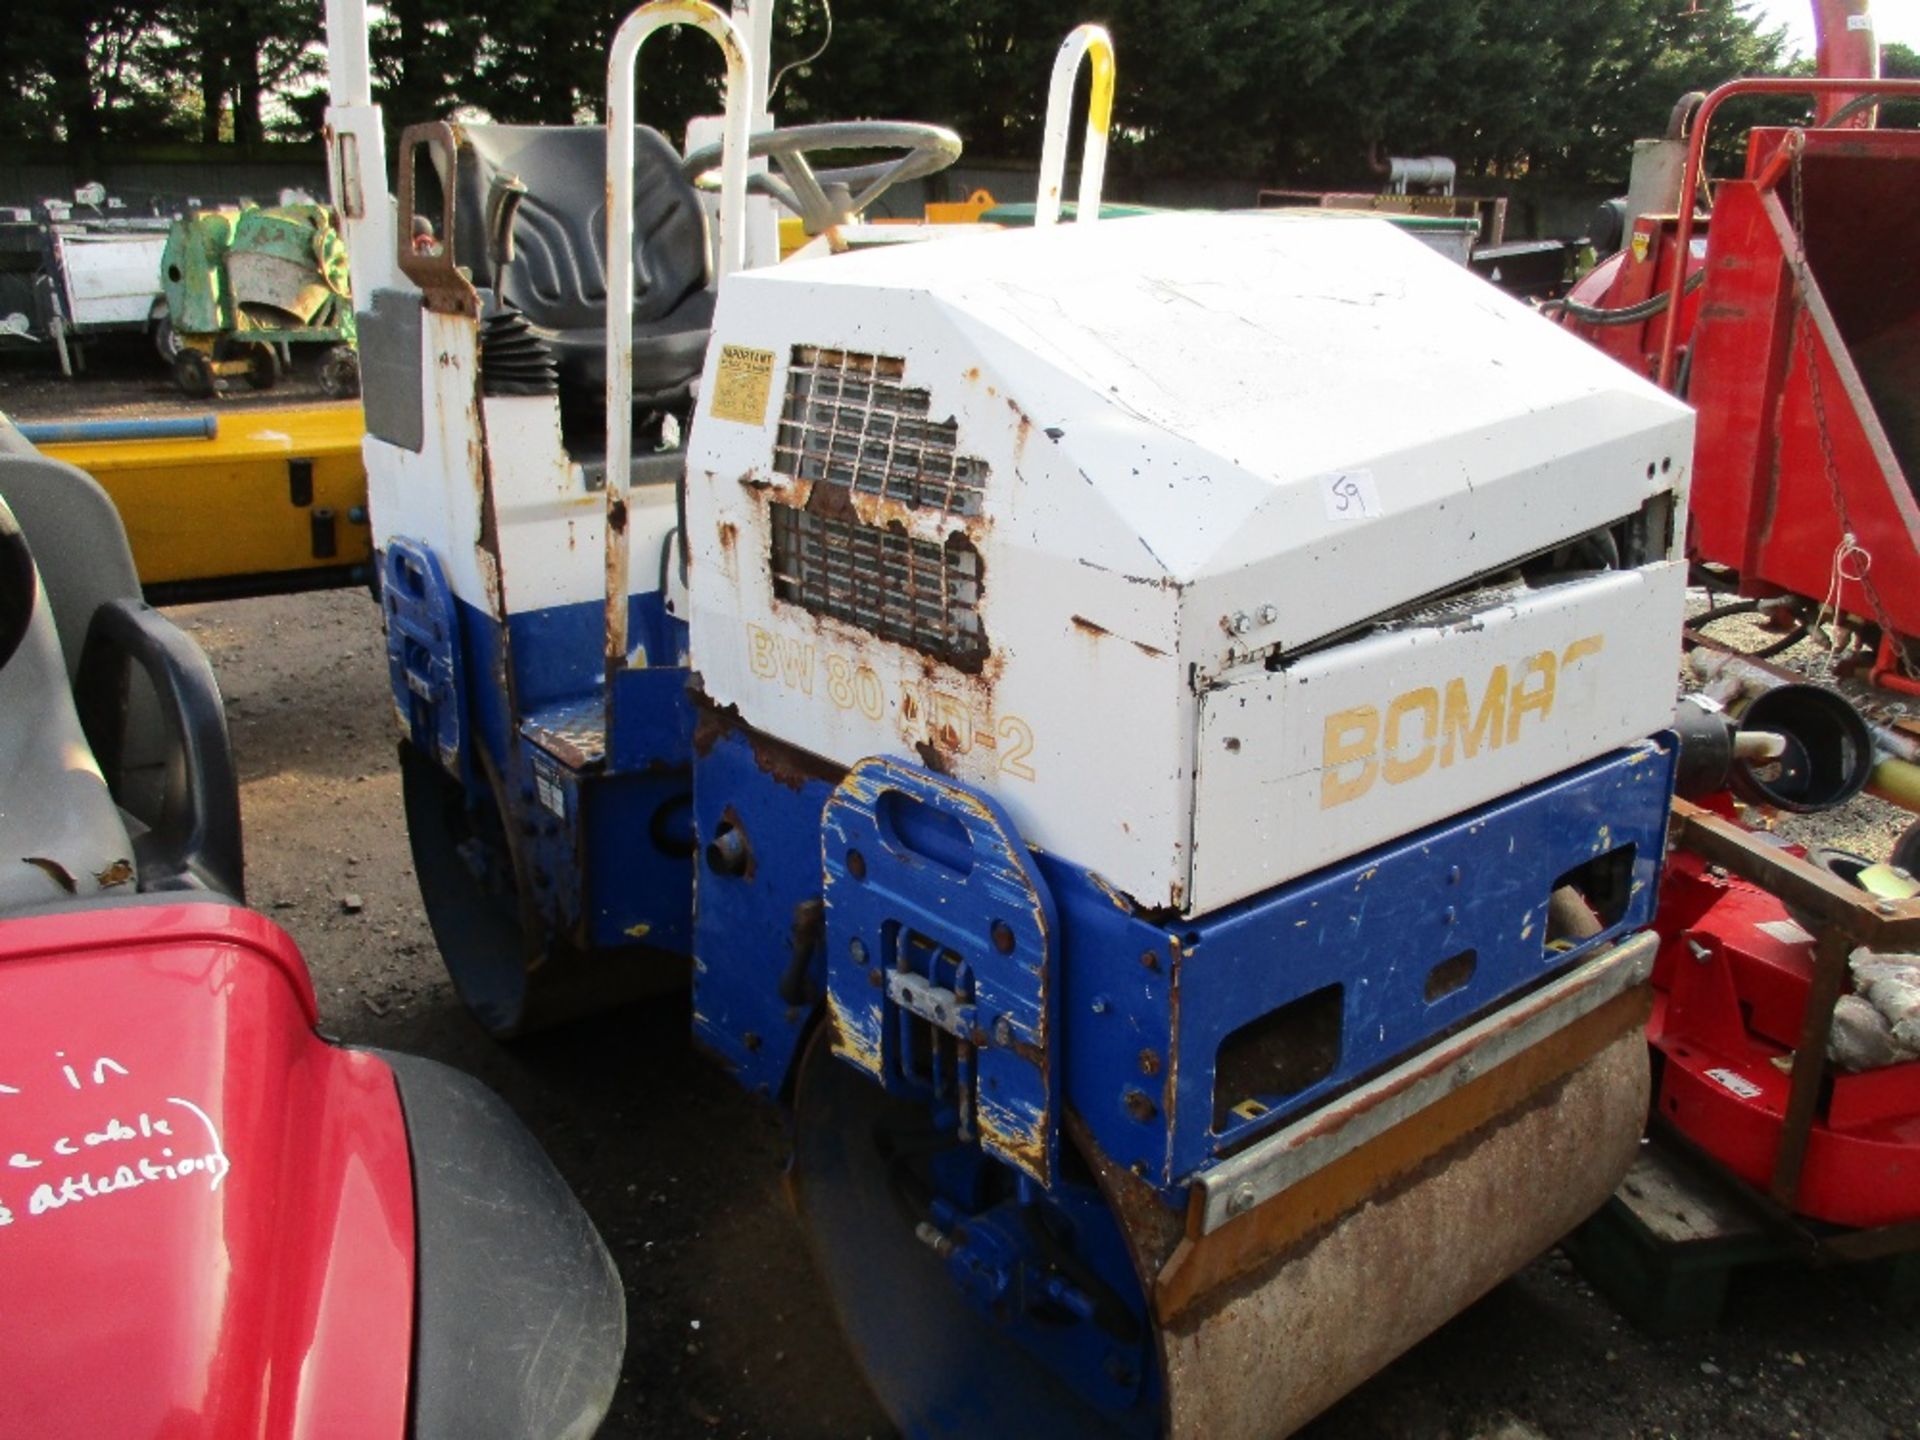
{"x": 1003, "y": 1033}
{"x": 856, "y": 865}
{"x": 857, "y": 948}
{"x": 934, "y": 1238}
{"x": 1242, "y": 1199}
{"x": 1003, "y": 937}
{"x": 1149, "y": 1063}
{"x": 1100, "y": 1005}
{"x": 1241, "y": 623}
{"x": 1149, "y": 959}
{"x": 1900, "y": 872}
{"x": 1269, "y": 614}
{"x": 1886, "y": 907}
{"x": 727, "y": 853}
{"x": 1140, "y": 1105}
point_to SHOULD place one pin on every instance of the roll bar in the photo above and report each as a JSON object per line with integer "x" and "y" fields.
{"x": 1085, "y": 42}
{"x": 1820, "y": 90}
{"x": 622, "y": 64}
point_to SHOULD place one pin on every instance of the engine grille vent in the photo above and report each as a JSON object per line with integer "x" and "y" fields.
{"x": 922, "y": 593}
{"x": 848, "y": 421}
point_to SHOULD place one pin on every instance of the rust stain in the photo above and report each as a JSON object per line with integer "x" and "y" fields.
{"x": 1080, "y": 622}
{"x": 1019, "y": 1139}
{"x": 849, "y": 1043}
{"x": 782, "y": 763}
{"x": 1115, "y": 896}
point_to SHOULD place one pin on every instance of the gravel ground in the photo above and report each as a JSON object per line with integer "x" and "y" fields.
{"x": 682, "y": 1171}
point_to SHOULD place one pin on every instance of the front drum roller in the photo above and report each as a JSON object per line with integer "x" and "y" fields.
{"x": 1267, "y": 1343}
{"x": 508, "y": 966}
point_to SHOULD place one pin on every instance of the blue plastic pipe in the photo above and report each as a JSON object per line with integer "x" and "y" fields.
{"x": 77, "y": 432}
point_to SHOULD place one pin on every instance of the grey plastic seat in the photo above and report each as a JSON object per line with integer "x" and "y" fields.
{"x": 557, "y": 276}
{"x": 116, "y": 774}
{"x": 61, "y": 835}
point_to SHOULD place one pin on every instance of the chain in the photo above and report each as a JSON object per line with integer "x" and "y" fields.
{"x": 1849, "y": 545}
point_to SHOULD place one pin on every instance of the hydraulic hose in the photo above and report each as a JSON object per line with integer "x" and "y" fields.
{"x": 1626, "y": 314}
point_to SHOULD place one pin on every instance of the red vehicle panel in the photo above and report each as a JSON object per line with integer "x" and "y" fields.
{"x": 206, "y": 1212}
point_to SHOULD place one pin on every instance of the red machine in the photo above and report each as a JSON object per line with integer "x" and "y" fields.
{"x": 213, "y": 1222}
{"x": 1736, "y": 981}
{"x": 1793, "y": 324}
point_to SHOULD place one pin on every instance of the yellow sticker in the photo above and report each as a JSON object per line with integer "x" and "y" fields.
{"x": 745, "y": 380}
{"x": 1641, "y": 242}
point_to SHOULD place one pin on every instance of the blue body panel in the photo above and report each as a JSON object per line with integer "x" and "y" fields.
{"x": 1142, "y": 1041}
{"x": 1147, "y": 1002}
{"x": 605, "y": 828}
{"x": 930, "y": 889}
{"x": 759, "y": 933}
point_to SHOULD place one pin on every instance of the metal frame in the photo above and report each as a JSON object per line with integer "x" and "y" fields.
{"x": 1696, "y": 156}
{"x": 622, "y": 64}
{"x": 1093, "y": 44}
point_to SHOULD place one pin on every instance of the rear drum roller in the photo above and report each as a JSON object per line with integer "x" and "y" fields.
{"x": 911, "y": 1232}
{"x": 507, "y": 965}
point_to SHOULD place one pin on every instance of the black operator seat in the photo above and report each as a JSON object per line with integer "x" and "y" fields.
{"x": 557, "y": 277}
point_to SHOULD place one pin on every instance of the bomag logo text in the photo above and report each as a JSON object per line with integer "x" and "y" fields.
{"x": 1437, "y": 725}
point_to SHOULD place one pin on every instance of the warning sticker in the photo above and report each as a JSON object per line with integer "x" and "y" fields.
{"x": 1738, "y": 1084}
{"x": 546, "y": 783}
{"x": 740, "y": 391}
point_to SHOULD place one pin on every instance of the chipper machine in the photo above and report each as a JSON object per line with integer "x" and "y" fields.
{"x": 1151, "y": 736}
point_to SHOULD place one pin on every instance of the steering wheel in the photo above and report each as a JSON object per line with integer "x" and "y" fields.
{"x": 824, "y": 198}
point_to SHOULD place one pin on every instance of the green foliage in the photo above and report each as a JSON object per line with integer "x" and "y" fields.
{"x": 1298, "y": 91}
{"x": 1898, "y": 62}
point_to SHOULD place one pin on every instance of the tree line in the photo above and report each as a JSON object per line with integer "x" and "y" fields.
{"x": 1295, "y": 90}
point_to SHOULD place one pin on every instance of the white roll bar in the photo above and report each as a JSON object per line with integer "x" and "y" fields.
{"x": 349, "y": 65}
{"x": 622, "y": 63}
{"x": 1085, "y": 41}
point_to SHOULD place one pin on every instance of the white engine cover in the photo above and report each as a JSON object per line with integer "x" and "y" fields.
{"x": 1182, "y": 447}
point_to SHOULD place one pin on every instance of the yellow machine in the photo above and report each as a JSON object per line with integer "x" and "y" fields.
{"x": 246, "y": 503}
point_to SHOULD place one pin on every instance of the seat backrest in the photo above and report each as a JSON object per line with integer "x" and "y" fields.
{"x": 558, "y": 274}
{"x": 75, "y": 531}
{"x": 61, "y": 835}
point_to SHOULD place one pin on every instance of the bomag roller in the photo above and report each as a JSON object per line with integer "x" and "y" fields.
{"x": 1151, "y": 736}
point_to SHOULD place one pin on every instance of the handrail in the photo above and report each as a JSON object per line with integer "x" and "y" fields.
{"x": 622, "y": 63}
{"x": 1696, "y": 152}
{"x": 1085, "y": 41}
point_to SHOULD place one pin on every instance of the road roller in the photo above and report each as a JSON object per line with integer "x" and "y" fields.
{"x": 1151, "y": 736}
